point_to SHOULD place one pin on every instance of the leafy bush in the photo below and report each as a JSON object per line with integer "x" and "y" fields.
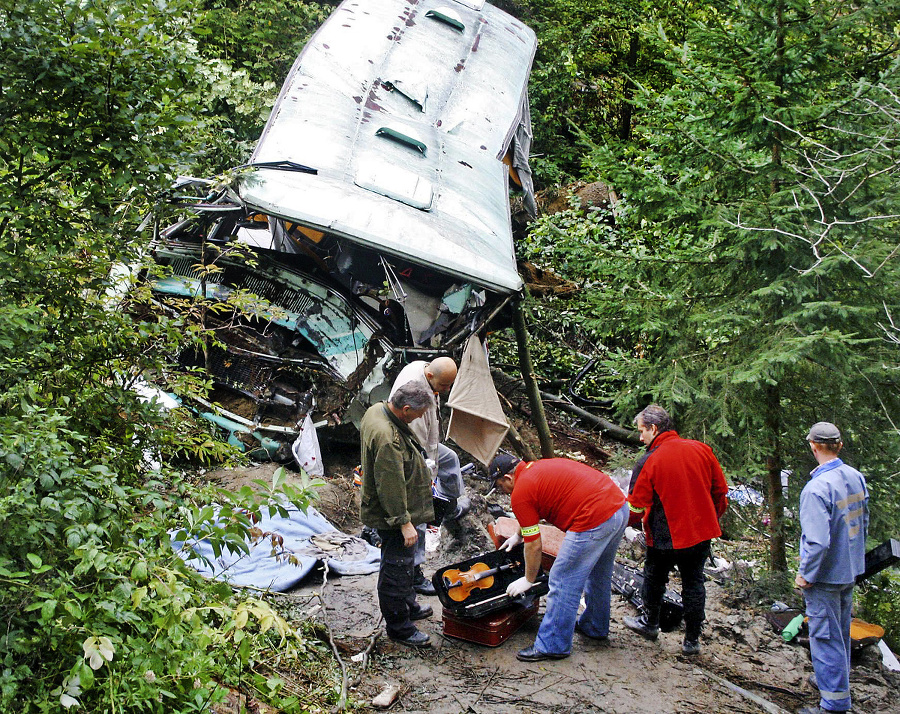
{"x": 879, "y": 602}
{"x": 99, "y": 610}
{"x": 101, "y": 101}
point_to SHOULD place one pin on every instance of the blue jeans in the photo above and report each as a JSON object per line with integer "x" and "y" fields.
{"x": 584, "y": 564}
{"x": 828, "y": 609}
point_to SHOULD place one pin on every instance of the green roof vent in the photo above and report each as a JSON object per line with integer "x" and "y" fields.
{"x": 402, "y": 138}
{"x": 448, "y": 17}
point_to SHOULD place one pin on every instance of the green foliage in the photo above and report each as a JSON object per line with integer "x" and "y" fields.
{"x": 748, "y": 280}
{"x": 588, "y": 59}
{"x": 879, "y": 600}
{"x": 97, "y": 605}
{"x": 229, "y": 525}
{"x": 101, "y": 104}
{"x": 249, "y": 47}
{"x": 602, "y": 320}
{"x": 763, "y": 319}
{"x": 262, "y": 38}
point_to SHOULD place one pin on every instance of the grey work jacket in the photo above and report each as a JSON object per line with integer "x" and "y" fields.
{"x": 834, "y": 519}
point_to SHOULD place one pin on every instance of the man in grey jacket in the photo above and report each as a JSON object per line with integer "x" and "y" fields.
{"x": 834, "y": 517}
{"x": 396, "y": 495}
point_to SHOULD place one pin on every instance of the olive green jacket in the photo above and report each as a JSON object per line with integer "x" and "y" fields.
{"x": 396, "y": 483}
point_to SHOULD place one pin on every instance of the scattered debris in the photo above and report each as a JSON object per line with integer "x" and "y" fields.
{"x": 888, "y": 658}
{"x": 742, "y": 495}
{"x": 738, "y": 646}
{"x": 627, "y": 581}
{"x": 386, "y": 696}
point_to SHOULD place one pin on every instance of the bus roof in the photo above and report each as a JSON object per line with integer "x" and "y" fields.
{"x": 390, "y": 129}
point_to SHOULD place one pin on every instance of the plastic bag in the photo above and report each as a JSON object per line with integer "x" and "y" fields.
{"x": 306, "y": 449}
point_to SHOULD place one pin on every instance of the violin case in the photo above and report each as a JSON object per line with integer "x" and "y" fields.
{"x": 488, "y": 595}
{"x": 628, "y": 581}
{"x": 492, "y": 629}
{"x": 487, "y": 615}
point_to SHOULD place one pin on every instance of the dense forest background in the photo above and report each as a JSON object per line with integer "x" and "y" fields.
{"x": 747, "y": 279}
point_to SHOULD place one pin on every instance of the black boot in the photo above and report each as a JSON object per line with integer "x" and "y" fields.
{"x": 643, "y": 626}
{"x": 421, "y": 584}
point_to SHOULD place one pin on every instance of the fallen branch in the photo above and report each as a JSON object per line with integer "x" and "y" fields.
{"x": 484, "y": 689}
{"x": 774, "y": 688}
{"x": 364, "y": 661}
{"x": 620, "y": 433}
{"x": 629, "y": 436}
{"x": 755, "y": 698}
{"x": 373, "y": 638}
{"x": 342, "y": 700}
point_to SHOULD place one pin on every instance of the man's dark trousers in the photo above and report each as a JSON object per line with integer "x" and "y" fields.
{"x": 657, "y": 566}
{"x": 396, "y": 596}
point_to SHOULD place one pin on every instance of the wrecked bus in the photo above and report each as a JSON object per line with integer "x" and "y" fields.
{"x": 376, "y": 210}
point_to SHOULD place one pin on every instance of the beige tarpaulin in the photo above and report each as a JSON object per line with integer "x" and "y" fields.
{"x": 477, "y": 421}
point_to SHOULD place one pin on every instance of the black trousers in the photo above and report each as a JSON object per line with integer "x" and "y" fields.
{"x": 689, "y": 561}
{"x": 396, "y": 596}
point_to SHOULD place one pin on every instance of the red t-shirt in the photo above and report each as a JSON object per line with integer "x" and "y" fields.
{"x": 570, "y": 495}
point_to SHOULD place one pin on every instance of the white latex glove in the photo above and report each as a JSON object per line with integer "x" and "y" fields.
{"x": 518, "y": 587}
{"x": 511, "y": 542}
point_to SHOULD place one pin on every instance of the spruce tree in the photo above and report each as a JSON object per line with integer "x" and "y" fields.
{"x": 761, "y": 191}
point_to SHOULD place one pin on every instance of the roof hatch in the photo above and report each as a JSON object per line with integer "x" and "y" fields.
{"x": 402, "y": 138}
{"x": 395, "y": 182}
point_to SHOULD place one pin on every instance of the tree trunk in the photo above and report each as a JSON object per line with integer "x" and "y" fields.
{"x": 531, "y": 386}
{"x": 774, "y": 466}
{"x": 775, "y": 461}
{"x": 628, "y": 92}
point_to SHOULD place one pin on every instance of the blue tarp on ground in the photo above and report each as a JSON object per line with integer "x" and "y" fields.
{"x": 306, "y": 539}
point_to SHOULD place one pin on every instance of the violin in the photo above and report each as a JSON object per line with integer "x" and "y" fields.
{"x": 461, "y": 584}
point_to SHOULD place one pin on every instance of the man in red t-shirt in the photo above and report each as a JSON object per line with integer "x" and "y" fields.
{"x": 679, "y": 492}
{"x": 591, "y": 509}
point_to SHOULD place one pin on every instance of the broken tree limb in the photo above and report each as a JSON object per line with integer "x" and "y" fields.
{"x": 531, "y": 386}
{"x": 364, "y": 655}
{"x": 490, "y": 681}
{"x": 521, "y": 447}
{"x": 342, "y": 699}
{"x": 614, "y": 430}
{"x": 755, "y": 698}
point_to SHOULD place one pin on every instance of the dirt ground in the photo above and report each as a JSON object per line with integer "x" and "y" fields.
{"x": 627, "y": 675}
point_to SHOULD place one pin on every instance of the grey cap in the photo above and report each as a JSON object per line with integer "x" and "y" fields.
{"x": 824, "y": 432}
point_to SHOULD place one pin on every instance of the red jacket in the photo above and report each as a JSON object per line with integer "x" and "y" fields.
{"x": 688, "y": 479}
